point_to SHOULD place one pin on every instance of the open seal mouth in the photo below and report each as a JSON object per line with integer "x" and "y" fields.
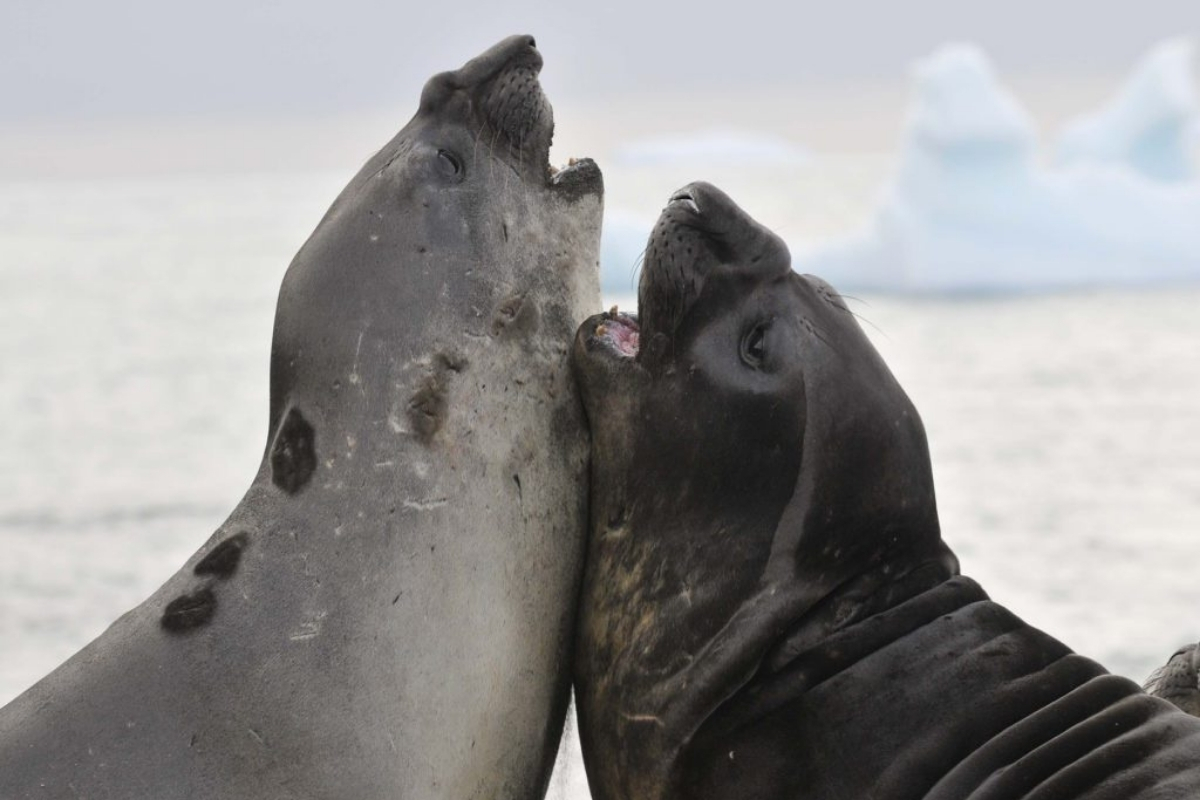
{"x": 617, "y": 332}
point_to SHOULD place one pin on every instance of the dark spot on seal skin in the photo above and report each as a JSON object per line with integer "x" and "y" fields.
{"x": 294, "y": 455}
{"x": 222, "y": 562}
{"x": 515, "y": 316}
{"x": 190, "y": 611}
{"x": 427, "y": 407}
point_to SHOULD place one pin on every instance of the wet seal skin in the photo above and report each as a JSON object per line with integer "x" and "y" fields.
{"x": 388, "y": 612}
{"x": 1178, "y": 681}
{"x": 769, "y": 610}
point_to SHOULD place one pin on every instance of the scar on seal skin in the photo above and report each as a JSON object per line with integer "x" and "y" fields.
{"x": 769, "y": 611}
{"x": 515, "y": 316}
{"x": 294, "y": 456}
{"x": 427, "y": 407}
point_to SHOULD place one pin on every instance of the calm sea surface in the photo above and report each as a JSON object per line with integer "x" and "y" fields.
{"x": 135, "y": 322}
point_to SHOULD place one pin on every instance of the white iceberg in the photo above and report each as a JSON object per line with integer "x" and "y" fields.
{"x": 1151, "y": 123}
{"x": 971, "y": 209}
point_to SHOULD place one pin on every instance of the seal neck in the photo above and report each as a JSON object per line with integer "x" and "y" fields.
{"x": 823, "y": 625}
{"x": 943, "y": 695}
{"x": 866, "y": 595}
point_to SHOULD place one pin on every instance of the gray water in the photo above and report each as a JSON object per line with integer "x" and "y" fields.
{"x": 136, "y": 320}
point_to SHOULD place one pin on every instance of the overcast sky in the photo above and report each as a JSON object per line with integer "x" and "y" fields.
{"x": 63, "y": 60}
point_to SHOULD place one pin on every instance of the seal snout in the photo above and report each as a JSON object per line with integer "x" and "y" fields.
{"x": 684, "y": 199}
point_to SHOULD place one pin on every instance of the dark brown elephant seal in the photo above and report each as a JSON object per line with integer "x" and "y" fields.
{"x": 388, "y": 612}
{"x": 769, "y": 610}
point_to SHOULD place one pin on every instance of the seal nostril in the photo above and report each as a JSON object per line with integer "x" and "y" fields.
{"x": 685, "y": 198}
{"x": 533, "y": 42}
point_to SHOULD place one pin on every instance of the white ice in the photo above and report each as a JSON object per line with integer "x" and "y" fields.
{"x": 1149, "y": 125}
{"x": 972, "y": 208}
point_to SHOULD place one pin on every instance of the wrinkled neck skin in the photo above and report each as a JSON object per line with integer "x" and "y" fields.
{"x": 943, "y": 696}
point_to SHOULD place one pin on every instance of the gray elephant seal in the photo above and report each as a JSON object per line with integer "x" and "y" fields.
{"x": 768, "y": 609}
{"x": 1178, "y": 681}
{"x": 388, "y": 612}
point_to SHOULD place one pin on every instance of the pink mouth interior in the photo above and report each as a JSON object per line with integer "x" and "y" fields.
{"x": 621, "y": 330}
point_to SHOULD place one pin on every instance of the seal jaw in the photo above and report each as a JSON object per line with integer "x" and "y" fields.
{"x": 617, "y": 333}
{"x": 580, "y": 177}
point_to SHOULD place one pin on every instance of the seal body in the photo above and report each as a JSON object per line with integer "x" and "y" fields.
{"x": 769, "y": 610}
{"x": 1178, "y": 681}
{"x": 388, "y": 611}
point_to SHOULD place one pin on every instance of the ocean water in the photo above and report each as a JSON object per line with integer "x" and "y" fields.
{"x": 135, "y": 322}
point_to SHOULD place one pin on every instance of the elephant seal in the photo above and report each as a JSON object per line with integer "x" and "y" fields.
{"x": 769, "y": 610}
{"x": 389, "y": 610}
{"x": 1178, "y": 681}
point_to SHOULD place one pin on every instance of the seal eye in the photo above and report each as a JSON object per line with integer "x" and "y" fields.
{"x": 448, "y": 164}
{"x": 754, "y": 346}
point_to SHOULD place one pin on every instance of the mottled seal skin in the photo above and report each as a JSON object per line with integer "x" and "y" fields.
{"x": 389, "y": 611}
{"x": 769, "y": 610}
{"x": 1178, "y": 681}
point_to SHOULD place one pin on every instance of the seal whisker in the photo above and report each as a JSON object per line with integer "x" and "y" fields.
{"x": 635, "y": 270}
{"x": 878, "y": 329}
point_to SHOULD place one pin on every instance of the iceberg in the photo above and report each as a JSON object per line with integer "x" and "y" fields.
{"x": 972, "y": 209}
{"x": 1151, "y": 123}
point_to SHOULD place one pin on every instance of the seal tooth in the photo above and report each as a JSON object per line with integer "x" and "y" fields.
{"x": 612, "y": 312}
{"x": 601, "y": 330}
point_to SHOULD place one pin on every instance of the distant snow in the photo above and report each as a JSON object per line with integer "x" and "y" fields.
{"x": 972, "y": 209}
